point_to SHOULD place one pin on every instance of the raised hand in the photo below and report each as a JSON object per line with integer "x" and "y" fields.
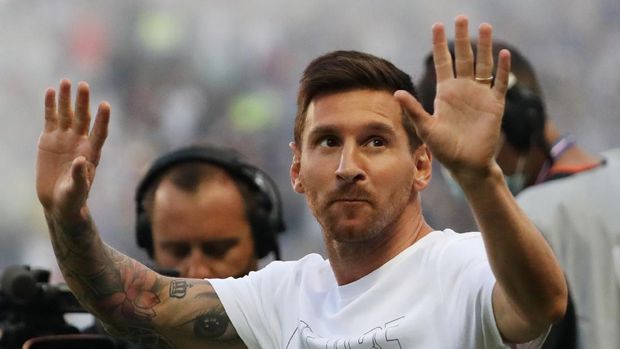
{"x": 464, "y": 131}
{"x": 69, "y": 151}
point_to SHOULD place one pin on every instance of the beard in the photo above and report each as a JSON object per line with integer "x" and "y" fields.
{"x": 362, "y": 220}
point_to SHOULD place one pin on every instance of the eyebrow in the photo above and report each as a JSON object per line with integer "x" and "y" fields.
{"x": 380, "y": 127}
{"x": 212, "y": 242}
{"x": 319, "y": 131}
{"x": 373, "y": 127}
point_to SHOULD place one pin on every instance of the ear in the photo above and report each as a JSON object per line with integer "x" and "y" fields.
{"x": 423, "y": 161}
{"x": 295, "y": 168}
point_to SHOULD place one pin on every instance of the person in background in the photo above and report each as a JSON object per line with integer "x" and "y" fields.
{"x": 570, "y": 194}
{"x": 203, "y": 211}
{"x": 206, "y": 212}
{"x": 361, "y": 157}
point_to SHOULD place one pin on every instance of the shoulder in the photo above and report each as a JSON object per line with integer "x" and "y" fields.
{"x": 275, "y": 274}
{"x": 595, "y": 186}
{"x": 449, "y": 249}
{"x": 613, "y": 155}
{"x": 448, "y": 239}
{"x": 308, "y": 262}
{"x": 281, "y": 268}
{"x": 461, "y": 268}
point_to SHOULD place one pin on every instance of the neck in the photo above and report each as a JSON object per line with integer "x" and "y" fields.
{"x": 351, "y": 261}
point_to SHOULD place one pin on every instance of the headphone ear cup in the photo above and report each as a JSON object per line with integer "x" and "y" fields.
{"x": 271, "y": 220}
{"x": 266, "y": 218}
{"x": 262, "y": 233}
{"x": 144, "y": 238}
{"x": 524, "y": 118}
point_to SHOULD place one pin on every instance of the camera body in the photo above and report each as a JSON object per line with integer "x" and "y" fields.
{"x": 31, "y": 307}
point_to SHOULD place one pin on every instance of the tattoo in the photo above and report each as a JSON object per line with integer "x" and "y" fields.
{"x": 125, "y": 294}
{"x": 214, "y": 322}
{"x": 107, "y": 282}
{"x": 211, "y": 325}
{"x": 178, "y": 288}
{"x": 71, "y": 247}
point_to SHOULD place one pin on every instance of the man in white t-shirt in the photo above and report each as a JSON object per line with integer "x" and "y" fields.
{"x": 361, "y": 157}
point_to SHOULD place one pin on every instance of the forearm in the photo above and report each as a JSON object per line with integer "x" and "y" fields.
{"x": 521, "y": 260}
{"x": 118, "y": 290}
{"x": 133, "y": 301}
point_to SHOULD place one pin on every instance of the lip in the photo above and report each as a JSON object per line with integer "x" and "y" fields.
{"x": 349, "y": 200}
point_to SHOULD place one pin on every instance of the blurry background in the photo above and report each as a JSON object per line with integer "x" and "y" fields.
{"x": 178, "y": 72}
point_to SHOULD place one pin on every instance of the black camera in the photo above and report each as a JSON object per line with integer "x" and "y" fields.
{"x": 32, "y": 313}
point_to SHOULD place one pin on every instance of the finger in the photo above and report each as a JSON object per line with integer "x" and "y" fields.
{"x": 82, "y": 112}
{"x": 463, "y": 54}
{"x": 441, "y": 54}
{"x": 78, "y": 190}
{"x": 51, "y": 118}
{"x": 484, "y": 51}
{"x": 503, "y": 72}
{"x": 100, "y": 130}
{"x": 64, "y": 104}
{"x": 416, "y": 112}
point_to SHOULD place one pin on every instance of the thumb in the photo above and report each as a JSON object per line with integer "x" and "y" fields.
{"x": 79, "y": 185}
{"x": 421, "y": 119}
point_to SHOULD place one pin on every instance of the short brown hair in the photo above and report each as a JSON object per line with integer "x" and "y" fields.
{"x": 188, "y": 176}
{"x": 342, "y": 71}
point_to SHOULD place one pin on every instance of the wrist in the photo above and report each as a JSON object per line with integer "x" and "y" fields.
{"x": 72, "y": 223}
{"x": 479, "y": 180}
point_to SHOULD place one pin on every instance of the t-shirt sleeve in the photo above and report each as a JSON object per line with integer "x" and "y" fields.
{"x": 467, "y": 288}
{"x": 249, "y": 306}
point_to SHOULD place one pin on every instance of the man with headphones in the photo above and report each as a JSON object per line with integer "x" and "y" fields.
{"x": 569, "y": 192}
{"x": 206, "y": 212}
{"x": 532, "y": 149}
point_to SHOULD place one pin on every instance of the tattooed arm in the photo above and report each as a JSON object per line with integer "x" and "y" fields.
{"x": 132, "y": 301}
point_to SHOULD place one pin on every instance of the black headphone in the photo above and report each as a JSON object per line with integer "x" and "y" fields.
{"x": 523, "y": 122}
{"x": 266, "y": 219}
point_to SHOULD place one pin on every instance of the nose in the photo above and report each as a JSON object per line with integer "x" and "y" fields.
{"x": 198, "y": 266}
{"x": 349, "y": 169}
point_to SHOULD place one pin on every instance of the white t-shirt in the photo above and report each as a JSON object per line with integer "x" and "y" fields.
{"x": 435, "y": 294}
{"x": 580, "y": 218}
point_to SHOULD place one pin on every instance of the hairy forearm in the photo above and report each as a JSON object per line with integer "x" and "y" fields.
{"x": 521, "y": 259}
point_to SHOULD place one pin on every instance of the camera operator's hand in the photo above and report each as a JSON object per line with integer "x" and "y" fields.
{"x": 68, "y": 153}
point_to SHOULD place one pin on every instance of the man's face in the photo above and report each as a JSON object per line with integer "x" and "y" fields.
{"x": 355, "y": 165}
{"x": 202, "y": 234}
{"x": 506, "y": 156}
{"x": 518, "y": 168}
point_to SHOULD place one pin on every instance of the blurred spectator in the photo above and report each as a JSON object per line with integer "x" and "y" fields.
{"x": 207, "y": 213}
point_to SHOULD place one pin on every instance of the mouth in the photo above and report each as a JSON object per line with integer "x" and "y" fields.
{"x": 349, "y": 200}
{"x": 357, "y": 196}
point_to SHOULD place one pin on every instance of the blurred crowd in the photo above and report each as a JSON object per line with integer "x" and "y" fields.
{"x": 226, "y": 72}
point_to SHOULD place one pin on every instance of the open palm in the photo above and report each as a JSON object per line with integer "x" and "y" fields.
{"x": 464, "y": 131}
{"x": 68, "y": 151}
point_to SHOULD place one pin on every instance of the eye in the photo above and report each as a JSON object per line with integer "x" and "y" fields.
{"x": 178, "y": 251}
{"x": 328, "y": 141}
{"x": 376, "y": 142}
{"x": 220, "y": 248}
